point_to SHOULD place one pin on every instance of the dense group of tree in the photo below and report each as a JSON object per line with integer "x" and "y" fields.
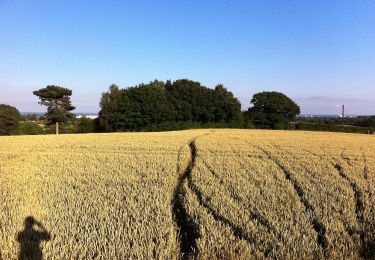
{"x": 365, "y": 121}
{"x": 360, "y": 124}
{"x": 165, "y": 105}
{"x": 272, "y": 110}
{"x": 362, "y": 121}
{"x": 155, "y": 106}
{"x": 9, "y": 119}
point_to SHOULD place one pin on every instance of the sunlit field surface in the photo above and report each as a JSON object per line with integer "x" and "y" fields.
{"x": 188, "y": 194}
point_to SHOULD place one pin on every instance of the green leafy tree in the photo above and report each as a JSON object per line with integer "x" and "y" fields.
{"x": 144, "y": 105}
{"x": 158, "y": 105}
{"x": 57, "y": 100}
{"x": 9, "y": 119}
{"x": 228, "y": 108}
{"x": 109, "y": 106}
{"x": 86, "y": 125}
{"x": 192, "y": 101}
{"x": 272, "y": 110}
{"x": 29, "y": 128}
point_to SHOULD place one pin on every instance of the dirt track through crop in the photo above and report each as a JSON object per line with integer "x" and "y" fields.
{"x": 188, "y": 231}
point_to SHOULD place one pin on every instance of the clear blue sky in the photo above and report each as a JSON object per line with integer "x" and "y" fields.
{"x": 320, "y": 53}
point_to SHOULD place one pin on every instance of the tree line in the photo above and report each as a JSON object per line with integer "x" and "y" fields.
{"x": 159, "y": 105}
{"x": 185, "y": 104}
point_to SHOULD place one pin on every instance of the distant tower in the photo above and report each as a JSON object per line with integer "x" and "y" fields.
{"x": 343, "y": 114}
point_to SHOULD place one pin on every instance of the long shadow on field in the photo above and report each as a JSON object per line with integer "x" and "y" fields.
{"x": 30, "y": 238}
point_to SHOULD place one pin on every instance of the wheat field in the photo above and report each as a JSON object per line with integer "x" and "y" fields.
{"x": 205, "y": 194}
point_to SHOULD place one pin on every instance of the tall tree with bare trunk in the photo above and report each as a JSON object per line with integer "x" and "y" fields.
{"x": 57, "y": 100}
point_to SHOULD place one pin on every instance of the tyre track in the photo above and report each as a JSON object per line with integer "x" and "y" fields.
{"x": 315, "y": 222}
{"x": 188, "y": 229}
{"x": 345, "y": 158}
{"x": 365, "y": 169}
{"x": 359, "y": 206}
{"x": 366, "y": 250}
{"x": 254, "y": 215}
{"x": 358, "y": 195}
{"x": 237, "y": 231}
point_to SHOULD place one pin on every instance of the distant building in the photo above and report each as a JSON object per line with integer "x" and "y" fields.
{"x": 87, "y": 116}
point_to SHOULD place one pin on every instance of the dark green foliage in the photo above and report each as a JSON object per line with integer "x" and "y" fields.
{"x": 86, "y": 125}
{"x": 228, "y": 108}
{"x": 367, "y": 122}
{"x": 57, "y": 100}
{"x": 143, "y": 105}
{"x": 192, "y": 101}
{"x": 30, "y": 117}
{"x": 28, "y": 128}
{"x": 9, "y": 119}
{"x": 332, "y": 128}
{"x": 168, "y": 106}
{"x": 272, "y": 110}
{"x": 108, "y": 103}
{"x": 248, "y": 123}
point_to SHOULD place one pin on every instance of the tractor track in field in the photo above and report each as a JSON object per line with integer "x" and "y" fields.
{"x": 356, "y": 190}
{"x": 345, "y": 158}
{"x": 188, "y": 230}
{"x": 365, "y": 168}
{"x": 253, "y": 214}
{"x": 237, "y": 231}
{"x": 359, "y": 207}
{"x": 358, "y": 199}
{"x": 316, "y": 223}
{"x": 367, "y": 250}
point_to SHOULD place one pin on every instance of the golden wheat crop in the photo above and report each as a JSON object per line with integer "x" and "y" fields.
{"x": 188, "y": 194}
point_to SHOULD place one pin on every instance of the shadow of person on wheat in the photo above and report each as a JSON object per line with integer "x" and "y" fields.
{"x": 30, "y": 238}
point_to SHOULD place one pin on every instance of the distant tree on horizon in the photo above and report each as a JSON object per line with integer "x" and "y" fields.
{"x": 162, "y": 105}
{"x": 57, "y": 100}
{"x": 9, "y": 119}
{"x": 108, "y": 103}
{"x": 271, "y": 109}
{"x": 228, "y": 107}
{"x": 85, "y": 125}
